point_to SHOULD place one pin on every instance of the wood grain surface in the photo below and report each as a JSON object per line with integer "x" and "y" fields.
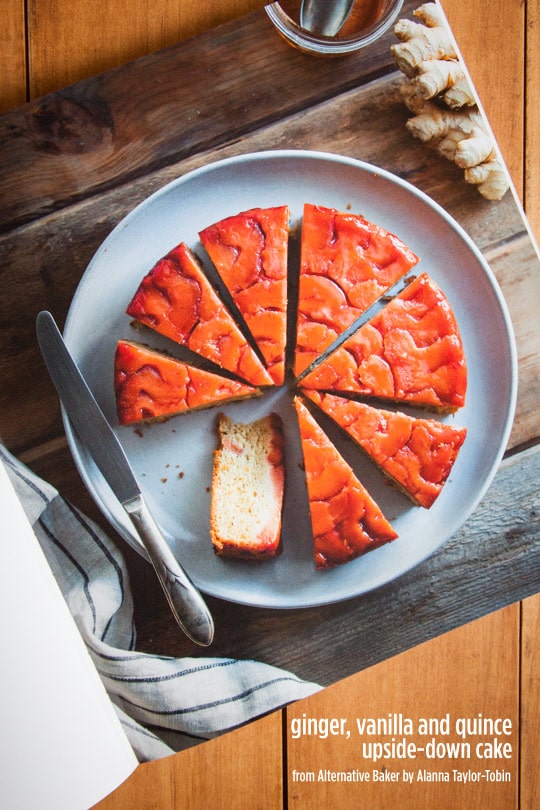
{"x": 239, "y": 771}
{"x": 530, "y": 704}
{"x": 489, "y": 665}
{"x": 13, "y": 90}
{"x": 409, "y": 685}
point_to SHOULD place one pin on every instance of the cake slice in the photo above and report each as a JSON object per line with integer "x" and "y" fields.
{"x": 346, "y": 521}
{"x": 176, "y": 299}
{"x": 151, "y": 386}
{"x": 346, "y": 264}
{"x": 249, "y": 251}
{"x": 248, "y": 483}
{"x": 410, "y": 351}
{"x": 417, "y": 455}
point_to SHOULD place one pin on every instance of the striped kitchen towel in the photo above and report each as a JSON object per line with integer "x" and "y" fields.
{"x": 164, "y": 704}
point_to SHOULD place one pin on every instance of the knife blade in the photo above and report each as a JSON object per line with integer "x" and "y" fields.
{"x": 95, "y": 432}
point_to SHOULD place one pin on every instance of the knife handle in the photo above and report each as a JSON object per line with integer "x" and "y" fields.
{"x": 185, "y": 601}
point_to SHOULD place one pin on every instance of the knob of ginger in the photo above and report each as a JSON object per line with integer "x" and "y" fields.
{"x": 436, "y": 89}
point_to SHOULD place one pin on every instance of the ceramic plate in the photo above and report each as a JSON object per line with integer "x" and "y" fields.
{"x": 173, "y": 460}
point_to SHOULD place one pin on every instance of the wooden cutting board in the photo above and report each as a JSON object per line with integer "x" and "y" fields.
{"x": 74, "y": 163}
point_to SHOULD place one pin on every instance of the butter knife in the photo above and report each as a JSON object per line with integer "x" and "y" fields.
{"x": 94, "y": 431}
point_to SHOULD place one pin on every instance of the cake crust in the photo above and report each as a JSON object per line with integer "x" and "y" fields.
{"x": 249, "y": 251}
{"x": 345, "y": 519}
{"x": 416, "y": 454}
{"x": 150, "y": 386}
{"x": 410, "y": 351}
{"x": 346, "y": 264}
{"x": 176, "y": 299}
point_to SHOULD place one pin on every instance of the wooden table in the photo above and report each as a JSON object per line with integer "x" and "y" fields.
{"x": 73, "y": 163}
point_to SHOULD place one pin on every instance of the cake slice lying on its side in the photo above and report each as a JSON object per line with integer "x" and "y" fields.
{"x": 417, "y": 455}
{"x": 176, "y": 299}
{"x": 151, "y": 386}
{"x": 346, "y": 264}
{"x": 346, "y": 521}
{"x": 410, "y": 351}
{"x": 249, "y": 251}
{"x": 248, "y": 485}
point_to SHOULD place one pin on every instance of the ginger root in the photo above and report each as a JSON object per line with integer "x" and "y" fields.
{"x": 437, "y": 91}
{"x": 427, "y": 41}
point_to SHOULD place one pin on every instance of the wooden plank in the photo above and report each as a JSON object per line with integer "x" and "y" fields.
{"x": 213, "y": 775}
{"x": 530, "y": 703}
{"x": 90, "y": 38}
{"x": 492, "y": 562}
{"x": 12, "y": 55}
{"x": 491, "y": 44}
{"x": 446, "y": 677}
{"x": 517, "y": 270}
{"x": 81, "y": 53}
{"x": 530, "y": 680}
{"x": 532, "y": 116}
{"x": 160, "y": 109}
{"x": 530, "y": 617}
{"x": 49, "y": 256}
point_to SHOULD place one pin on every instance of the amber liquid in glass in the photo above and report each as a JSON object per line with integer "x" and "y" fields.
{"x": 364, "y": 14}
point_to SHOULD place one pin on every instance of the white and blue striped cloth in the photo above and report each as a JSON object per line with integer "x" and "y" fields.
{"x": 165, "y": 704}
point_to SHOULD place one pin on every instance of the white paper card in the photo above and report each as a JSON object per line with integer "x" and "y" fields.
{"x": 62, "y": 744}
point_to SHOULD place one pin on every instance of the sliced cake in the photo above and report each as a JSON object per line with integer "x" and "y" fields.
{"x": 346, "y": 264}
{"x": 416, "y": 454}
{"x": 346, "y": 521}
{"x": 249, "y": 251}
{"x": 152, "y": 386}
{"x": 248, "y": 483}
{"x": 410, "y": 351}
{"x": 176, "y": 299}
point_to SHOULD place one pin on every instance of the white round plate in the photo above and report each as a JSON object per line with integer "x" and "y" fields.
{"x": 173, "y": 460}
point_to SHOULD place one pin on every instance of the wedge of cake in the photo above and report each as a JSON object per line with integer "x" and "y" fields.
{"x": 151, "y": 386}
{"x": 417, "y": 455}
{"x": 346, "y": 264}
{"x": 249, "y": 251}
{"x": 346, "y": 521}
{"x": 248, "y": 484}
{"x": 410, "y": 351}
{"x": 176, "y": 299}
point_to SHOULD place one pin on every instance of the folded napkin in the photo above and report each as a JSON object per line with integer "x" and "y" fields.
{"x": 164, "y": 704}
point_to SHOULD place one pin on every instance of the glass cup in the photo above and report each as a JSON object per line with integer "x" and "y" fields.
{"x": 366, "y": 22}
